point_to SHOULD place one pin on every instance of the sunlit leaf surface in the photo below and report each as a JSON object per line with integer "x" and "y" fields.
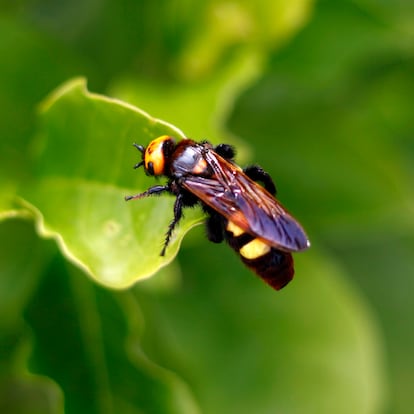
{"x": 82, "y": 172}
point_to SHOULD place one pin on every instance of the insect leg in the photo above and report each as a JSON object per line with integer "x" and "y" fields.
{"x": 257, "y": 173}
{"x": 157, "y": 189}
{"x": 226, "y": 151}
{"x": 178, "y": 213}
{"x": 214, "y": 227}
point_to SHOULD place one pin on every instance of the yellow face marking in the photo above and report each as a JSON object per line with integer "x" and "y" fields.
{"x": 234, "y": 229}
{"x": 155, "y": 155}
{"x": 254, "y": 249}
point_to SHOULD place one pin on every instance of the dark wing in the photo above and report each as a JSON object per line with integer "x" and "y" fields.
{"x": 247, "y": 204}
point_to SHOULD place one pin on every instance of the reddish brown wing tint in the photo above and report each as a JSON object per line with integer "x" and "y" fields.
{"x": 244, "y": 202}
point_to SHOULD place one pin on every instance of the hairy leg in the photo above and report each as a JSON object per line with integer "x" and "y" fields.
{"x": 257, "y": 173}
{"x": 178, "y": 214}
{"x": 156, "y": 190}
{"x": 226, "y": 151}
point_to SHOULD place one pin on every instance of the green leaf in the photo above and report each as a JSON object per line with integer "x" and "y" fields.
{"x": 19, "y": 277}
{"x": 242, "y": 348}
{"x": 382, "y": 267}
{"x": 78, "y": 348}
{"x": 312, "y": 348}
{"x": 30, "y": 394}
{"x": 221, "y": 28}
{"x": 83, "y": 170}
{"x": 329, "y": 128}
{"x": 87, "y": 339}
{"x": 209, "y": 102}
{"x": 25, "y": 53}
{"x": 333, "y": 119}
{"x": 22, "y": 260}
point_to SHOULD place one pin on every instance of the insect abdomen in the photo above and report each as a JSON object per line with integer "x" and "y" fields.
{"x": 273, "y": 266}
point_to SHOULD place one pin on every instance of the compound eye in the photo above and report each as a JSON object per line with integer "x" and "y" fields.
{"x": 150, "y": 168}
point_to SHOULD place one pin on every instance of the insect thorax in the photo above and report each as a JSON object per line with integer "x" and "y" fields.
{"x": 189, "y": 160}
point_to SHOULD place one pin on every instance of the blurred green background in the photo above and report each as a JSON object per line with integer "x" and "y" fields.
{"x": 319, "y": 93}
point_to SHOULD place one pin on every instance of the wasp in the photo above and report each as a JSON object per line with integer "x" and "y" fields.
{"x": 240, "y": 204}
